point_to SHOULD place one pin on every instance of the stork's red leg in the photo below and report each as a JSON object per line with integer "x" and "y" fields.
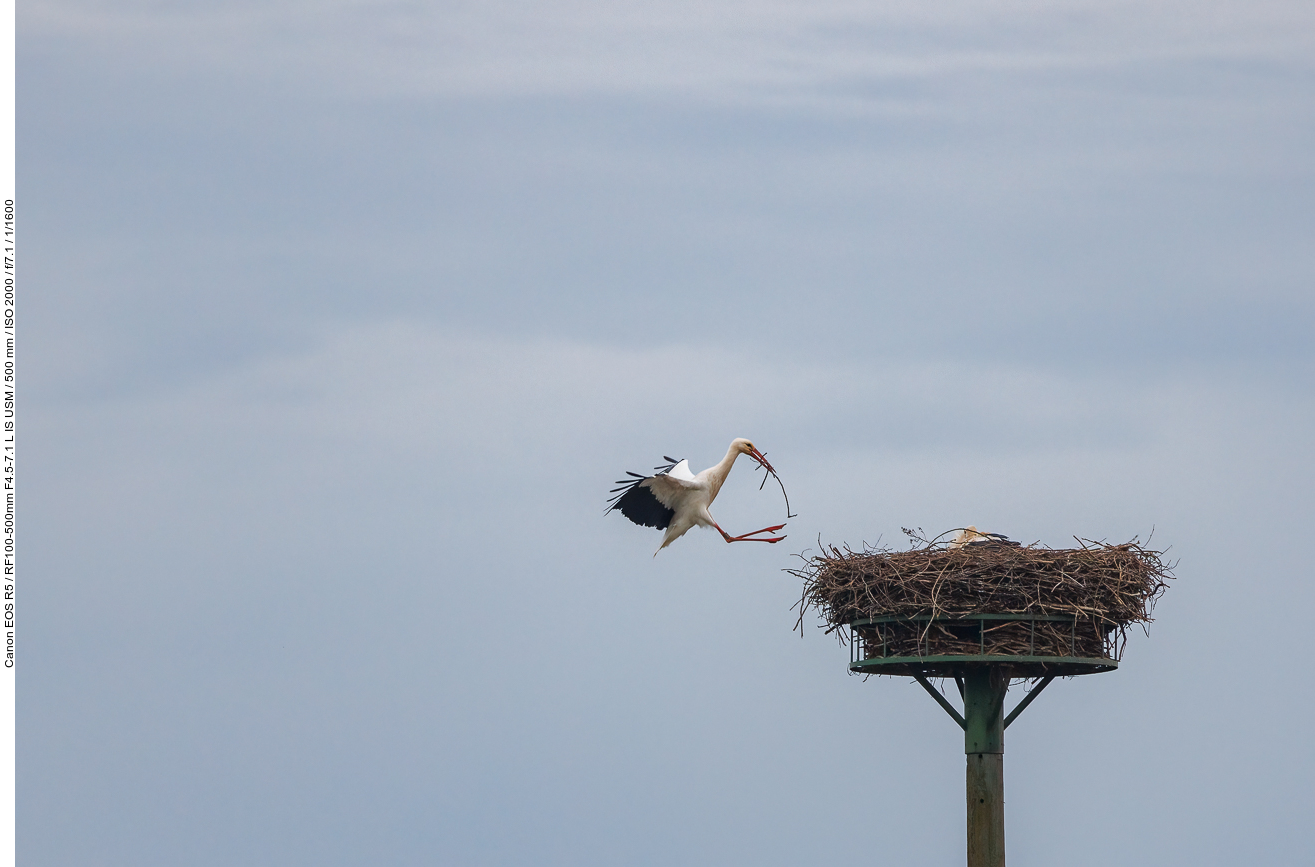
{"x": 747, "y": 537}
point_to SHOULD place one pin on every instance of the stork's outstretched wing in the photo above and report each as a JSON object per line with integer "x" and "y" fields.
{"x": 650, "y": 501}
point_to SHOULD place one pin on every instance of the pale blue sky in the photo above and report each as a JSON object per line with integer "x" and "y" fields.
{"x": 340, "y": 319}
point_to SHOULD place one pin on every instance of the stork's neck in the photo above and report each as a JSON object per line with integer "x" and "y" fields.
{"x": 717, "y": 475}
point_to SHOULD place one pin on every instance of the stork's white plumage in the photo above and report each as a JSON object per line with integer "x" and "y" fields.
{"x": 674, "y": 499}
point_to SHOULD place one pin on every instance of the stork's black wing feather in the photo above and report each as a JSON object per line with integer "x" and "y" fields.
{"x": 640, "y": 504}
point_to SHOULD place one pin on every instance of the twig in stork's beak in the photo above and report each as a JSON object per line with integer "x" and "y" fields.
{"x": 762, "y": 462}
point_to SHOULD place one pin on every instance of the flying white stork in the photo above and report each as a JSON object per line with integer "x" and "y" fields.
{"x": 674, "y": 499}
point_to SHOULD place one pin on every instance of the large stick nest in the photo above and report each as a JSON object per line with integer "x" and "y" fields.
{"x": 1098, "y": 589}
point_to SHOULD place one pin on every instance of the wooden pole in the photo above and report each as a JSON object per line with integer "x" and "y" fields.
{"x": 983, "y": 712}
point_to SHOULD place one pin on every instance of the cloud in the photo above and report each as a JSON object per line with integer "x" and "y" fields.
{"x": 724, "y": 50}
{"x": 476, "y": 411}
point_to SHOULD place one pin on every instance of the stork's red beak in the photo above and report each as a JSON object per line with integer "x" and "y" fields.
{"x": 762, "y": 460}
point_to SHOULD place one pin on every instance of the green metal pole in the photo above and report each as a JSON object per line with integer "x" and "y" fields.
{"x": 984, "y": 742}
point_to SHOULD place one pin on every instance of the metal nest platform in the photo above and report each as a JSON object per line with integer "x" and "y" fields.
{"x": 875, "y": 647}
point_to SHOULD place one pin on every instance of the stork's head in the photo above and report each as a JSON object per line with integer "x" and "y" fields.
{"x": 748, "y": 448}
